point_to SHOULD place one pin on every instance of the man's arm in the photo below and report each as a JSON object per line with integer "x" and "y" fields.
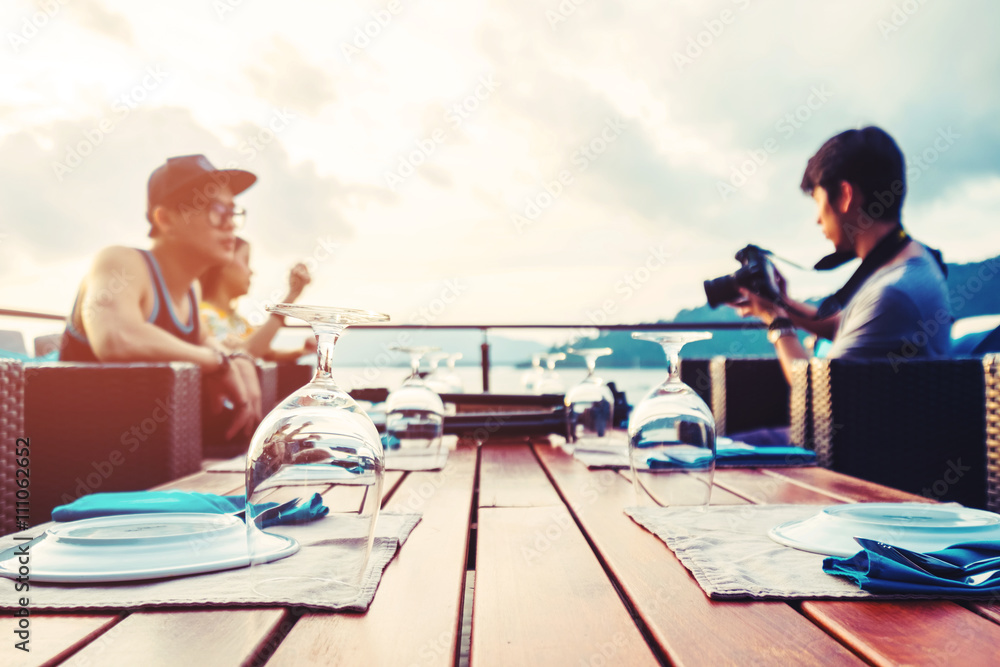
{"x": 118, "y": 331}
{"x": 803, "y": 316}
{"x": 259, "y": 342}
{"x": 113, "y": 320}
{"x": 788, "y": 348}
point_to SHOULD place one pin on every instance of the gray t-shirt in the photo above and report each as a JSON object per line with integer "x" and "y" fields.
{"x": 901, "y": 311}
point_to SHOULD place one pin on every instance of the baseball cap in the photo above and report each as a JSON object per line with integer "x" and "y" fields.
{"x": 184, "y": 173}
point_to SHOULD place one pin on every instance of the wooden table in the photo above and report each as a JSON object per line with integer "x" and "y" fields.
{"x": 528, "y": 554}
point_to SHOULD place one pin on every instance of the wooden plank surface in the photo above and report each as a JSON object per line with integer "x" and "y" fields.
{"x": 203, "y": 637}
{"x": 843, "y": 487}
{"x": 542, "y": 598}
{"x": 691, "y": 628}
{"x": 54, "y": 637}
{"x": 762, "y": 489}
{"x": 915, "y": 632}
{"x": 509, "y": 476}
{"x": 247, "y": 630}
{"x": 414, "y": 617}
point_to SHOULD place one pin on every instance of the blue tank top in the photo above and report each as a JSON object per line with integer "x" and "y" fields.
{"x": 76, "y": 347}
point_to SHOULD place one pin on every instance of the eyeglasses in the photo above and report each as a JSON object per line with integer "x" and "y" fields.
{"x": 219, "y": 214}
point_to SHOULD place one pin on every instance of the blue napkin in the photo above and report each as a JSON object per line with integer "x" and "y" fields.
{"x": 878, "y": 573}
{"x": 142, "y": 502}
{"x": 742, "y": 455}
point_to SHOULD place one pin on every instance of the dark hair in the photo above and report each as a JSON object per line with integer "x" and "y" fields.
{"x": 868, "y": 159}
{"x": 211, "y": 279}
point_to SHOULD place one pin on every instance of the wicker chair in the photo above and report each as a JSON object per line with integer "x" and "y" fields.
{"x": 919, "y": 426}
{"x": 697, "y": 374}
{"x": 991, "y": 364}
{"x": 748, "y": 393}
{"x": 800, "y": 430}
{"x": 109, "y": 427}
{"x": 11, "y": 428}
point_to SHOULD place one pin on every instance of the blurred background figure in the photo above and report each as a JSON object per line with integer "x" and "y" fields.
{"x": 223, "y": 284}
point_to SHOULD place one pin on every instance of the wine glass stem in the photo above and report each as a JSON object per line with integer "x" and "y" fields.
{"x": 327, "y": 336}
{"x": 673, "y": 353}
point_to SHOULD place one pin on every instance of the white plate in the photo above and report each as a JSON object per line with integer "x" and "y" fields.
{"x": 915, "y": 526}
{"x": 131, "y": 547}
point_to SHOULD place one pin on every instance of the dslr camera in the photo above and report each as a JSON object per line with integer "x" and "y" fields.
{"x": 756, "y": 274}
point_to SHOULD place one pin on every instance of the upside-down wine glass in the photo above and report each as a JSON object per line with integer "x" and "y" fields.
{"x": 671, "y": 434}
{"x": 447, "y": 379}
{"x": 414, "y": 413}
{"x": 590, "y": 403}
{"x": 318, "y": 439}
{"x": 532, "y": 376}
{"x": 435, "y": 376}
{"x": 550, "y": 382}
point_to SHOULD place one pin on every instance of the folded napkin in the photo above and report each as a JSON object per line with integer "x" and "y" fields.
{"x": 882, "y": 571}
{"x": 735, "y": 455}
{"x": 142, "y": 502}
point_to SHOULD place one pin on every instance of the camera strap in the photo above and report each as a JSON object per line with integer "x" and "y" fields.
{"x": 884, "y": 250}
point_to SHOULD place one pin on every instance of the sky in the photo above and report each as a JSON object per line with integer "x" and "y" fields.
{"x": 454, "y": 162}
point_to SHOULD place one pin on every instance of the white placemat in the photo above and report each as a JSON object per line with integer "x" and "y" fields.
{"x": 395, "y": 459}
{"x": 728, "y": 551}
{"x": 320, "y": 553}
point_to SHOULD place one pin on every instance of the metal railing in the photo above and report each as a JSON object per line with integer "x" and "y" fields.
{"x": 485, "y": 328}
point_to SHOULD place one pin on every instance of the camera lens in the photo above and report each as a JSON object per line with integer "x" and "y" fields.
{"x": 721, "y": 290}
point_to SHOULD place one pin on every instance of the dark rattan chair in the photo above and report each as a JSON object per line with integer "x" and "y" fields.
{"x": 991, "y": 364}
{"x": 109, "y": 427}
{"x": 919, "y": 426}
{"x": 747, "y": 394}
{"x": 697, "y": 374}
{"x": 11, "y": 428}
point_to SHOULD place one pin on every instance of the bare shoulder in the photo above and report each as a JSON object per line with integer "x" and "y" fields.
{"x": 116, "y": 256}
{"x": 120, "y": 269}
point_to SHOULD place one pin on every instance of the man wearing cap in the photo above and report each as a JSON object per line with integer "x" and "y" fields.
{"x": 142, "y": 305}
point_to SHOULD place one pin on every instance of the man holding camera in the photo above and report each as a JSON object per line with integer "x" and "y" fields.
{"x": 895, "y": 306}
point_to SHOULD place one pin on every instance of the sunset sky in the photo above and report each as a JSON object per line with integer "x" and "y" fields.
{"x": 533, "y": 160}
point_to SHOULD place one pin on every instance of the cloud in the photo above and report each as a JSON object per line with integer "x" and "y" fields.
{"x": 286, "y": 78}
{"x": 74, "y": 189}
{"x": 91, "y": 14}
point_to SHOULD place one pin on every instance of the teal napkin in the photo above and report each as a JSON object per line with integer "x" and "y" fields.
{"x": 738, "y": 455}
{"x": 877, "y": 572}
{"x": 143, "y": 502}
